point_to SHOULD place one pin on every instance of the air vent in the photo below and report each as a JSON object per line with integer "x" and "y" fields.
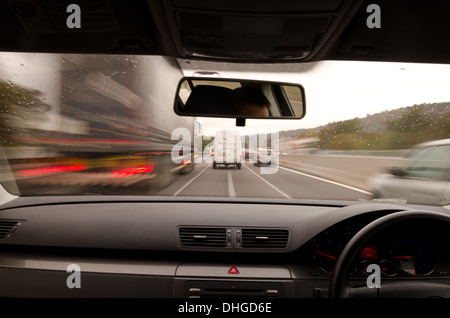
{"x": 203, "y": 237}
{"x": 265, "y": 238}
{"x": 7, "y": 227}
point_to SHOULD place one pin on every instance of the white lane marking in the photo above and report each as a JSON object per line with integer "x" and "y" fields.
{"x": 189, "y": 182}
{"x": 328, "y": 181}
{"x": 231, "y": 191}
{"x": 268, "y": 183}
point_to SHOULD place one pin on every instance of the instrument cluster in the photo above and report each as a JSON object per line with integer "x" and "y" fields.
{"x": 410, "y": 250}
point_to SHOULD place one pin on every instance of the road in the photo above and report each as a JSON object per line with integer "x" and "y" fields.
{"x": 204, "y": 181}
{"x": 249, "y": 182}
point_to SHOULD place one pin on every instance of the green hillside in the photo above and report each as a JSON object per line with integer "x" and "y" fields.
{"x": 396, "y": 129}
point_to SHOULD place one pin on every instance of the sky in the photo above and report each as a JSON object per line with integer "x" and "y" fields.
{"x": 335, "y": 90}
{"x": 339, "y": 90}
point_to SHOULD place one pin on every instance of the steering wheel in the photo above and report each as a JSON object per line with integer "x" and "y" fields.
{"x": 339, "y": 287}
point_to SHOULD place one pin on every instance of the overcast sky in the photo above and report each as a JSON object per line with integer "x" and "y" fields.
{"x": 334, "y": 90}
{"x": 344, "y": 90}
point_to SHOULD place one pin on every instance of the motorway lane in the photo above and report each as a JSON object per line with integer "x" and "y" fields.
{"x": 208, "y": 182}
{"x": 231, "y": 182}
{"x": 249, "y": 182}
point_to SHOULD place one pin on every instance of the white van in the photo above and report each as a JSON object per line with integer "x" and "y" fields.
{"x": 227, "y": 149}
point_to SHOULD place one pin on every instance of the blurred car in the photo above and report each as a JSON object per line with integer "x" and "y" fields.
{"x": 423, "y": 179}
{"x": 248, "y": 153}
{"x": 264, "y": 157}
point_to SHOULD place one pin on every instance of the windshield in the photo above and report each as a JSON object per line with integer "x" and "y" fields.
{"x": 105, "y": 124}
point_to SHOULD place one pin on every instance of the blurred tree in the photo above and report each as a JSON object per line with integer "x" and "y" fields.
{"x": 20, "y": 109}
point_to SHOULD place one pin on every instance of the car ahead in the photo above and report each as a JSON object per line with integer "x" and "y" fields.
{"x": 248, "y": 153}
{"x": 227, "y": 149}
{"x": 103, "y": 104}
{"x": 423, "y": 179}
{"x": 264, "y": 156}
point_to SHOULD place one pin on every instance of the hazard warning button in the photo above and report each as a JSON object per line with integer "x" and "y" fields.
{"x": 233, "y": 270}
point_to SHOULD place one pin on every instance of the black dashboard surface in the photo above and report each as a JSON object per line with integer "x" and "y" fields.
{"x": 132, "y": 244}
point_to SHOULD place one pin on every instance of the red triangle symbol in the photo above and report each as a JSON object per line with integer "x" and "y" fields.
{"x": 233, "y": 270}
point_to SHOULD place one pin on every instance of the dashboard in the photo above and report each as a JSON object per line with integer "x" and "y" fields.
{"x": 137, "y": 247}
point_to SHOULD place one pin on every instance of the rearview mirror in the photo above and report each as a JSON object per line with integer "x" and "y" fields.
{"x": 214, "y": 97}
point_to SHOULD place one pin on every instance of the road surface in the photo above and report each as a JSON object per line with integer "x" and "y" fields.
{"x": 204, "y": 181}
{"x": 249, "y": 182}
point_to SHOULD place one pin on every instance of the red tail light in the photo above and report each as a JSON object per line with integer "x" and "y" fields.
{"x": 49, "y": 170}
{"x": 131, "y": 171}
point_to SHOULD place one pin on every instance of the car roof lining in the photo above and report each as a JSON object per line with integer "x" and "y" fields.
{"x": 411, "y": 31}
{"x": 255, "y": 30}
